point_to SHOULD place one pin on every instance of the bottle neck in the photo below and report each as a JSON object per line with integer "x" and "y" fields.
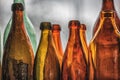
{"x": 57, "y": 41}
{"x": 20, "y": 1}
{"x": 74, "y": 35}
{"x": 17, "y": 21}
{"x": 108, "y": 5}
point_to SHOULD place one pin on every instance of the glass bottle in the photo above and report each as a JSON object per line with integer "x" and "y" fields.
{"x": 46, "y": 65}
{"x": 74, "y": 61}
{"x": 28, "y": 27}
{"x": 18, "y": 57}
{"x": 107, "y": 5}
{"x": 105, "y": 46}
{"x": 57, "y": 40}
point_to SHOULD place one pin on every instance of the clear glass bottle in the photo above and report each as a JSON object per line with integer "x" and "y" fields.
{"x": 57, "y": 40}
{"x": 46, "y": 65}
{"x": 18, "y": 57}
{"x": 28, "y": 25}
{"x": 74, "y": 61}
{"x": 105, "y": 46}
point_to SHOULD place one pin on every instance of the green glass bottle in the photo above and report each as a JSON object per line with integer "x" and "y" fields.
{"x": 18, "y": 55}
{"x": 28, "y": 25}
{"x": 46, "y": 64}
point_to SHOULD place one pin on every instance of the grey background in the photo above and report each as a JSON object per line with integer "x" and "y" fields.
{"x": 57, "y": 11}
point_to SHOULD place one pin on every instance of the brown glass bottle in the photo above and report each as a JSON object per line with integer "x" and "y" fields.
{"x": 74, "y": 61}
{"x": 46, "y": 65}
{"x": 105, "y": 47}
{"x": 107, "y": 5}
{"x": 18, "y": 55}
{"x": 57, "y": 40}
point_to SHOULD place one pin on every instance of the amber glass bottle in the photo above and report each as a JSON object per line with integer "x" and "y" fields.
{"x": 46, "y": 65}
{"x": 57, "y": 40}
{"x": 105, "y": 47}
{"x": 74, "y": 61}
{"x": 18, "y": 55}
{"x": 107, "y": 5}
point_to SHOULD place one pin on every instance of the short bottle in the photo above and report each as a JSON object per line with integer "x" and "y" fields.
{"x": 28, "y": 27}
{"x": 46, "y": 66}
{"x": 104, "y": 47}
{"x": 74, "y": 61}
{"x": 18, "y": 57}
{"x": 57, "y": 40}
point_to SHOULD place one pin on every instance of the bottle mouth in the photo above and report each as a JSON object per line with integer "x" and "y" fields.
{"x": 17, "y": 6}
{"x": 82, "y": 27}
{"x": 74, "y": 24}
{"x": 45, "y": 25}
{"x": 56, "y": 27}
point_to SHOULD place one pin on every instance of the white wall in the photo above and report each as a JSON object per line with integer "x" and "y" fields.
{"x": 57, "y": 11}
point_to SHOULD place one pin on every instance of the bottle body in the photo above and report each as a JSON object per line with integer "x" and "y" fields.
{"x": 57, "y": 40}
{"x": 105, "y": 48}
{"x": 46, "y": 65}
{"x": 28, "y": 27}
{"x": 74, "y": 62}
{"x": 18, "y": 55}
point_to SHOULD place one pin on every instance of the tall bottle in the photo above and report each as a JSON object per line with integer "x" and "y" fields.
{"x": 18, "y": 55}
{"x": 74, "y": 61}
{"x": 28, "y": 25}
{"x": 105, "y": 46}
{"x": 107, "y": 5}
{"x": 57, "y": 40}
{"x": 46, "y": 65}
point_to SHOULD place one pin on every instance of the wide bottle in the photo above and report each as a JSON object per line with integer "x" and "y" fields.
{"x": 28, "y": 27}
{"x": 105, "y": 44}
{"x": 57, "y": 40}
{"x": 18, "y": 55}
{"x": 46, "y": 65}
{"x": 74, "y": 61}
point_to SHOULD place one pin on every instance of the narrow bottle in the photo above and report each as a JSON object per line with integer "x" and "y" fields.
{"x": 28, "y": 27}
{"x": 74, "y": 61}
{"x": 57, "y": 40}
{"x": 18, "y": 57}
{"x": 46, "y": 65}
{"x": 105, "y": 46}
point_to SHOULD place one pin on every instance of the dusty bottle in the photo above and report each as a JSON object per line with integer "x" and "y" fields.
{"x": 46, "y": 65}
{"x": 57, "y": 40}
{"x": 18, "y": 58}
{"x": 105, "y": 46}
{"x": 107, "y": 5}
{"x": 74, "y": 61}
{"x": 28, "y": 27}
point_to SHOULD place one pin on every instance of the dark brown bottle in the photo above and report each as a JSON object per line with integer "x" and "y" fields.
{"x": 74, "y": 61}
{"x": 105, "y": 46}
{"x": 18, "y": 55}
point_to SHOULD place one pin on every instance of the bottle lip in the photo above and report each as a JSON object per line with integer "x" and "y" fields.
{"x": 45, "y": 25}
{"x": 56, "y": 27}
{"x": 74, "y": 24}
{"x": 17, "y": 6}
{"x": 82, "y": 27}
